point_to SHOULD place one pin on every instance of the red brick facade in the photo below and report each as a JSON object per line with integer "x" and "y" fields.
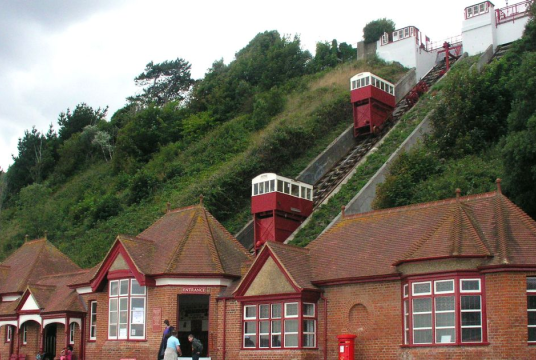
{"x": 357, "y": 286}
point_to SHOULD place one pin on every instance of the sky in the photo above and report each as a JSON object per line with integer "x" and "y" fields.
{"x": 57, "y": 54}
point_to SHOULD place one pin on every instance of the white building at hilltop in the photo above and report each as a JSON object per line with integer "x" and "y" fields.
{"x": 483, "y": 26}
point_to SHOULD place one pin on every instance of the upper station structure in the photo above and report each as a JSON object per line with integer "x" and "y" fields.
{"x": 483, "y": 26}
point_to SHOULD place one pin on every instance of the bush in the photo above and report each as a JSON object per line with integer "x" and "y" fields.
{"x": 141, "y": 186}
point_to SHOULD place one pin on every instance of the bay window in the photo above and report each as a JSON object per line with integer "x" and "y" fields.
{"x": 279, "y": 325}
{"x": 446, "y": 311}
{"x": 127, "y": 308}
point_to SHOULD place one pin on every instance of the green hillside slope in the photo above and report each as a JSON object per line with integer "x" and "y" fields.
{"x": 95, "y": 199}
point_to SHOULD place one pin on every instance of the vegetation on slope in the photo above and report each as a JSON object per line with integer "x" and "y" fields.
{"x": 257, "y": 114}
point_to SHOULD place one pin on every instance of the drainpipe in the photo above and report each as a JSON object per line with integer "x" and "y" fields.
{"x": 224, "y": 327}
{"x": 325, "y": 326}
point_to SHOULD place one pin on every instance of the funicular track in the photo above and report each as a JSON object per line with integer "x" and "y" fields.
{"x": 336, "y": 175}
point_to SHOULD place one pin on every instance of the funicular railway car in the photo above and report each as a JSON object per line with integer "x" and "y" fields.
{"x": 279, "y": 205}
{"x": 373, "y": 100}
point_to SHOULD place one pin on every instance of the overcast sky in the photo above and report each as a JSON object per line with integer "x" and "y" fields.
{"x": 56, "y": 54}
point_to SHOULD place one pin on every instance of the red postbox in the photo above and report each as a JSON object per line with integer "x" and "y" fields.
{"x": 346, "y": 346}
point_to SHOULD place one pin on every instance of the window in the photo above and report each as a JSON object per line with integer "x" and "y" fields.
{"x": 72, "y": 327}
{"x": 277, "y": 325}
{"x": 531, "y": 308}
{"x": 295, "y": 190}
{"x": 443, "y": 311}
{"x": 24, "y": 334}
{"x": 93, "y": 321}
{"x": 127, "y": 304}
{"x": 9, "y": 333}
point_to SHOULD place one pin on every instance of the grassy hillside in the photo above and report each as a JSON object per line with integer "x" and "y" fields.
{"x": 84, "y": 214}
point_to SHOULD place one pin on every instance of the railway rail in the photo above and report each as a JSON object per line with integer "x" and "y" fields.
{"x": 336, "y": 175}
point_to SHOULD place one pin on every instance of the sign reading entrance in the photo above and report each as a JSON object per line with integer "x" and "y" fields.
{"x": 157, "y": 319}
{"x": 194, "y": 290}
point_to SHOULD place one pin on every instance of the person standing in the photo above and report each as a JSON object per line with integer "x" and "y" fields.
{"x": 197, "y": 347}
{"x": 165, "y": 336}
{"x": 173, "y": 348}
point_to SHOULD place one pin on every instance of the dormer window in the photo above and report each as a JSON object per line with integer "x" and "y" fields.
{"x": 127, "y": 310}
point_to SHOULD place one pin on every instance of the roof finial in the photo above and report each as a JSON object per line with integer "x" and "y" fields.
{"x": 168, "y": 205}
{"x": 46, "y": 235}
{"x": 458, "y": 192}
{"x": 201, "y": 197}
{"x": 26, "y": 238}
{"x": 498, "y": 182}
{"x": 343, "y": 210}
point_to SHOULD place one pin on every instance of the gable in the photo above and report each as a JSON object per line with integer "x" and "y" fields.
{"x": 269, "y": 280}
{"x": 30, "y": 304}
{"x": 119, "y": 264}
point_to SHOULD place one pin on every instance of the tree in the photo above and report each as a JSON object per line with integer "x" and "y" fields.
{"x": 164, "y": 82}
{"x": 74, "y": 122}
{"x": 35, "y": 159}
{"x": 519, "y": 152}
{"x": 375, "y": 29}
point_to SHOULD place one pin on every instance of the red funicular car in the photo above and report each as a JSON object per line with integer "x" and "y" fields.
{"x": 279, "y": 205}
{"x": 373, "y": 101}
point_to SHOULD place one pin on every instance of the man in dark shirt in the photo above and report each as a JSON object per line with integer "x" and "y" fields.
{"x": 197, "y": 347}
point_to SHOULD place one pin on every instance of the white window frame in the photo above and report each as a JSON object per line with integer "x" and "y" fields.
{"x": 470, "y": 291}
{"x": 72, "y": 327}
{"x": 9, "y": 333}
{"x": 24, "y": 334}
{"x": 92, "y": 324}
{"x": 124, "y": 306}
{"x": 444, "y": 281}
{"x": 297, "y": 332}
{"x": 430, "y": 313}
{"x": 309, "y": 332}
{"x": 246, "y": 317}
{"x": 530, "y": 292}
{"x": 453, "y": 311}
{"x": 421, "y": 293}
{"x": 471, "y": 310}
{"x": 297, "y": 310}
{"x": 264, "y": 333}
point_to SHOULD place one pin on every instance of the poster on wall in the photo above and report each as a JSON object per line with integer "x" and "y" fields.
{"x": 157, "y": 319}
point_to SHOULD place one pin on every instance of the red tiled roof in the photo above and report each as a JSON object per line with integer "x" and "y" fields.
{"x": 30, "y": 262}
{"x": 296, "y": 262}
{"x": 60, "y": 297}
{"x": 371, "y": 244}
{"x": 187, "y": 241}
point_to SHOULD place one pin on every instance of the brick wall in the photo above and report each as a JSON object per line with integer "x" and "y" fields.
{"x": 5, "y": 346}
{"x": 372, "y": 311}
{"x": 164, "y": 298}
{"x": 32, "y": 339}
{"x": 233, "y": 338}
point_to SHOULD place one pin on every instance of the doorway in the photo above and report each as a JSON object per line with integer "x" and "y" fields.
{"x": 50, "y": 341}
{"x": 193, "y": 313}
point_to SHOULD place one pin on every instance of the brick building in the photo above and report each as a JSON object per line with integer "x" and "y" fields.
{"x": 453, "y": 279}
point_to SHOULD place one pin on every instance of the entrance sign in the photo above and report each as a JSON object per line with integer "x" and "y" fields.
{"x": 194, "y": 290}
